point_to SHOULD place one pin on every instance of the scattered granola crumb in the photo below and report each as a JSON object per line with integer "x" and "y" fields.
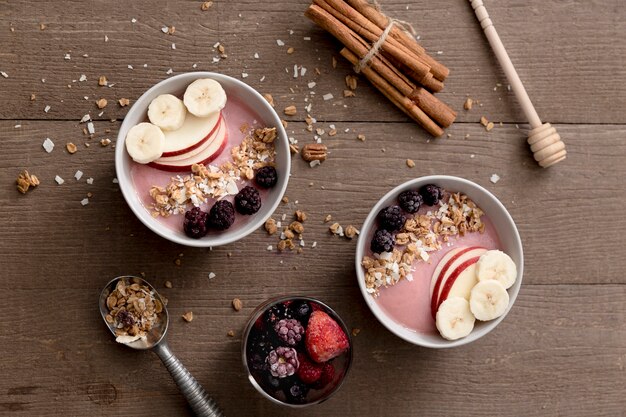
{"x": 237, "y": 304}
{"x": 468, "y": 104}
{"x": 351, "y": 232}
{"x": 484, "y": 121}
{"x": 336, "y": 229}
{"x": 290, "y": 50}
{"x": 206, "y": 6}
{"x": 124, "y": 102}
{"x": 33, "y": 97}
{"x": 290, "y": 110}
{"x": 71, "y": 148}
{"x": 102, "y": 81}
{"x": 270, "y": 226}
{"x": 168, "y": 284}
{"x": 494, "y": 178}
{"x": 188, "y": 316}
{"x": 328, "y": 218}
{"x": 361, "y": 137}
{"x": 334, "y": 62}
{"x": 269, "y": 99}
{"x": 356, "y": 331}
{"x": 301, "y": 216}
{"x": 101, "y": 103}
{"x": 410, "y": 163}
{"x": 231, "y": 333}
{"x": 489, "y": 126}
{"x": 351, "y": 82}
{"x": 178, "y": 262}
{"x": 25, "y": 181}
{"x": 105, "y": 142}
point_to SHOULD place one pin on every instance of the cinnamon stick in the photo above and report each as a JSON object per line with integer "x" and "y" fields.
{"x": 396, "y": 51}
{"x": 439, "y": 70}
{"x": 352, "y": 40}
{"x": 400, "y": 100}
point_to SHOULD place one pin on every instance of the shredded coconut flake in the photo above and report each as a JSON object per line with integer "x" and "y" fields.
{"x": 78, "y": 175}
{"x": 4, "y": 74}
{"x": 211, "y": 275}
{"x": 59, "y": 180}
{"x": 90, "y": 128}
{"x": 46, "y": 109}
{"x": 48, "y": 145}
{"x": 89, "y": 181}
{"x": 84, "y": 201}
{"x": 169, "y": 71}
{"x": 494, "y": 178}
{"x": 280, "y": 43}
{"x": 328, "y": 96}
{"x": 82, "y": 78}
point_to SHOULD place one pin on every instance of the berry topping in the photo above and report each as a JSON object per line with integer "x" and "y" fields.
{"x": 324, "y": 338}
{"x": 289, "y": 330}
{"x": 276, "y": 313}
{"x": 391, "y": 218}
{"x": 266, "y": 177}
{"x": 410, "y": 201}
{"x": 222, "y": 215}
{"x": 296, "y": 393}
{"x": 301, "y": 310}
{"x": 194, "y": 224}
{"x": 308, "y": 372}
{"x": 283, "y": 362}
{"x": 248, "y": 200}
{"x": 328, "y": 374}
{"x": 431, "y": 194}
{"x": 272, "y": 382}
{"x": 382, "y": 241}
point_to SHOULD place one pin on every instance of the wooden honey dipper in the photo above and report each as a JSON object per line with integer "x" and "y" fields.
{"x": 544, "y": 141}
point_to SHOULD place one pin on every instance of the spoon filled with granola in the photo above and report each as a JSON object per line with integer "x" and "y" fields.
{"x": 136, "y": 315}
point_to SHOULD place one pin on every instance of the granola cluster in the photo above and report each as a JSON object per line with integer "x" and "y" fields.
{"x": 421, "y": 234}
{"x": 25, "y": 180}
{"x": 291, "y": 236}
{"x": 133, "y": 310}
{"x": 255, "y": 151}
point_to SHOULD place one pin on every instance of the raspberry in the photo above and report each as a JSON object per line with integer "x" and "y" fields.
{"x": 431, "y": 194}
{"x": 289, "y": 330}
{"x": 266, "y": 177}
{"x": 383, "y": 241}
{"x": 248, "y": 200}
{"x": 410, "y": 201}
{"x": 194, "y": 224}
{"x": 328, "y": 374}
{"x": 391, "y": 218}
{"x": 283, "y": 362}
{"x": 308, "y": 372}
{"x": 222, "y": 215}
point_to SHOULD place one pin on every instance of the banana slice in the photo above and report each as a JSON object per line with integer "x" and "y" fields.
{"x": 204, "y": 96}
{"x": 145, "y": 142}
{"x": 167, "y": 112}
{"x": 497, "y": 265}
{"x": 454, "y": 318}
{"x": 488, "y": 300}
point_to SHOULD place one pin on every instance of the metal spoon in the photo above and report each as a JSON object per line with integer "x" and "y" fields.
{"x": 199, "y": 401}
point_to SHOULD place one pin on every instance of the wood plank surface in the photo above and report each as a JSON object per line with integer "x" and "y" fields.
{"x": 560, "y": 352}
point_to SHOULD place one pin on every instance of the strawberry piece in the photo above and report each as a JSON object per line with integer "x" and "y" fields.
{"x": 324, "y": 338}
{"x": 328, "y": 374}
{"x": 308, "y": 372}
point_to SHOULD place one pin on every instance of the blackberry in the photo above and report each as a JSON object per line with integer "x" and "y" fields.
{"x": 222, "y": 215}
{"x": 296, "y": 393}
{"x": 194, "y": 224}
{"x": 383, "y": 241}
{"x": 410, "y": 201}
{"x": 289, "y": 330}
{"x": 431, "y": 194}
{"x": 266, "y": 177}
{"x": 248, "y": 200}
{"x": 283, "y": 361}
{"x": 301, "y": 310}
{"x": 391, "y": 218}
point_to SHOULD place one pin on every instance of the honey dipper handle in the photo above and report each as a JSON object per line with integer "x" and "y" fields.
{"x": 506, "y": 64}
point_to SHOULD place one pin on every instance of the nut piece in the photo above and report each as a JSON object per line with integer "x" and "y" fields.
{"x": 290, "y": 50}
{"x": 270, "y": 226}
{"x": 484, "y": 121}
{"x": 468, "y": 104}
{"x": 71, "y": 148}
{"x": 300, "y": 215}
{"x": 102, "y": 103}
{"x": 348, "y": 93}
{"x": 351, "y": 82}
{"x": 168, "y": 284}
{"x": 124, "y": 102}
{"x": 206, "y": 6}
{"x": 237, "y": 304}
{"x": 265, "y": 135}
{"x": 269, "y": 99}
{"x": 314, "y": 152}
{"x": 351, "y": 232}
{"x": 188, "y": 316}
{"x": 105, "y": 142}
{"x": 102, "y": 81}
{"x": 410, "y": 163}
{"x": 290, "y": 110}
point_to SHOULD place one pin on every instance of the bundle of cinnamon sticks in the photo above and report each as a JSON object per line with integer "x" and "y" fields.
{"x": 401, "y": 69}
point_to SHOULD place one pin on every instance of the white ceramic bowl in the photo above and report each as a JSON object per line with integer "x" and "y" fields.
{"x": 234, "y": 88}
{"x": 502, "y": 222}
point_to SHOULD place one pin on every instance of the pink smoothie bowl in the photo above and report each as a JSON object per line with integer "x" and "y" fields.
{"x": 237, "y": 90}
{"x": 504, "y": 226}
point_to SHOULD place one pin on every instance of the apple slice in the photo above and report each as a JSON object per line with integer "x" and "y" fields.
{"x": 208, "y": 154}
{"x": 194, "y": 132}
{"x": 220, "y": 131}
{"x": 452, "y": 268}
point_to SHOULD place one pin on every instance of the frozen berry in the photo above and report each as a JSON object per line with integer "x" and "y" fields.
{"x": 391, "y": 218}
{"x": 289, "y": 330}
{"x": 308, "y": 371}
{"x": 266, "y": 177}
{"x": 296, "y": 393}
{"x": 283, "y": 361}
{"x": 194, "y": 224}
{"x": 383, "y": 241}
{"x": 327, "y": 375}
{"x": 276, "y": 313}
{"x": 301, "y": 310}
{"x": 222, "y": 215}
{"x": 325, "y": 339}
{"x": 431, "y": 194}
{"x": 248, "y": 200}
{"x": 410, "y": 201}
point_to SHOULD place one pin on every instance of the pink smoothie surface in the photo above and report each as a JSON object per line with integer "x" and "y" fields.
{"x": 236, "y": 114}
{"x": 408, "y": 302}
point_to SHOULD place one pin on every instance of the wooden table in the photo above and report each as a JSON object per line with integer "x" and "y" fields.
{"x": 561, "y": 351}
